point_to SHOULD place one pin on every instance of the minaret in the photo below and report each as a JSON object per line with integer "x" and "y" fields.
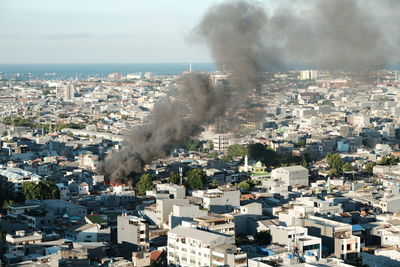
{"x": 190, "y": 65}
{"x": 246, "y": 163}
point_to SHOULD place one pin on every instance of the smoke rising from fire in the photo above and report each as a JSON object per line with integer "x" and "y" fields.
{"x": 244, "y": 38}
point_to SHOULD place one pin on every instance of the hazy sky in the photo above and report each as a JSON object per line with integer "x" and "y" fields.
{"x": 91, "y": 31}
{"x": 109, "y": 31}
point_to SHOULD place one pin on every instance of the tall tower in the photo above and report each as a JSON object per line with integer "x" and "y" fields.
{"x": 69, "y": 91}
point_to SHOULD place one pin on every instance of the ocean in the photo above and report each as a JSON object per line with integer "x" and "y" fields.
{"x": 84, "y": 71}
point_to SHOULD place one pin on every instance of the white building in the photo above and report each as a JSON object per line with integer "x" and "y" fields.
{"x": 222, "y": 141}
{"x": 188, "y": 246}
{"x": 293, "y": 175}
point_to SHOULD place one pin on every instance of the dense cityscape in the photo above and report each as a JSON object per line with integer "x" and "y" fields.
{"x": 284, "y": 150}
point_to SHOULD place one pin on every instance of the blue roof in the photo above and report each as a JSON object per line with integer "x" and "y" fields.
{"x": 357, "y": 227}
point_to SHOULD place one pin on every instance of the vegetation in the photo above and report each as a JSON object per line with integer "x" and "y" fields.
{"x": 392, "y": 160}
{"x": 41, "y": 190}
{"x": 244, "y": 185}
{"x": 18, "y": 121}
{"x": 192, "y": 144}
{"x": 236, "y": 151}
{"x": 269, "y": 157}
{"x": 145, "y": 184}
{"x": 335, "y": 164}
{"x": 174, "y": 178}
{"x": 197, "y": 179}
{"x": 263, "y": 237}
{"x": 348, "y": 167}
{"x": 369, "y": 167}
{"x": 7, "y": 203}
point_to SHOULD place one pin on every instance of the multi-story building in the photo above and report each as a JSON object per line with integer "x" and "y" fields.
{"x": 336, "y": 236}
{"x": 223, "y": 224}
{"x": 222, "y": 141}
{"x": 164, "y": 207}
{"x": 293, "y": 175}
{"x": 133, "y": 230}
{"x": 189, "y": 246}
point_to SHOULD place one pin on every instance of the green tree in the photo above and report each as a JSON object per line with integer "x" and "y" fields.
{"x": 369, "y": 167}
{"x": 214, "y": 183}
{"x": 335, "y": 163}
{"x": 393, "y": 160}
{"x": 197, "y": 179}
{"x": 192, "y": 144}
{"x": 7, "y": 203}
{"x": 256, "y": 151}
{"x": 244, "y": 185}
{"x": 236, "y": 151}
{"x": 174, "y": 178}
{"x": 384, "y": 161}
{"x": 213, "y": 154}
{"x": 145, "y": 183}
{"x": 41, "y": 190}
{"x": 263, "y": 237}
{"x": 347, "y": 167}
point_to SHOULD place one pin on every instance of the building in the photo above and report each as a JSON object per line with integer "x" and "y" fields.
{"x": 292, "y": 176}
{"x": 223, "y": 224}
{"x": 336, "y": 236}
{"x": 308, "y": 74}
{"x": 222, "y": 141}
{"x": 296, "y": 239}
{"x": 69, "y": 92}
{"x": 164, "y": 208}
{"x": 189, "y": 246}
{"x": 221, "y": 200}
{"x": 133, "y": 230}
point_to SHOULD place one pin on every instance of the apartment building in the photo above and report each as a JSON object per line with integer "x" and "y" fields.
{"x": 188, "y": 246}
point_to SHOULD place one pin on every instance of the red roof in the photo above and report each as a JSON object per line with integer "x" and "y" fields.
{"x": 155, "y": 255}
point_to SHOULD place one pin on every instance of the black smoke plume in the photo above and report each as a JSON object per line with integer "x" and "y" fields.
{"x": 243, "y": 37}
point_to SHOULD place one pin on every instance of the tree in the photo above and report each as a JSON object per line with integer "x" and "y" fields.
{"x": 192, "y": 144}
{"x": 174, "y": 178}
{"x": 335, "y": 163}
{"x": 256, "y": 151}
{"x": 214, "y": 183}
{"x": 236, "y": 151}
{"x": 7, "y": 203}
{"x": 347, "y": 167}
{"x": 244, "y": 185}
{"x": 384, "y": 161}
{"x": 263, "y": 237}
{"x": 41, "y": 190}
{"x": 369, "y": 167}
{"x": 197, "y": 179}
{"x": 145, "y": 184}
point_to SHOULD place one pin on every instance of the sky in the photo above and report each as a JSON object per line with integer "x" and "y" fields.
{"x": 117, "y": 31}
{"x": 100, "y": 31}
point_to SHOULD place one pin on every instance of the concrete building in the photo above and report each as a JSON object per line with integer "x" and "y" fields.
{"x": 221, "y": 200}
{"x": 223, "y": 224}
{"x": 181, "y": 213}
{"x": 133, "y": 230}
{"x": 188, "y": 246}
{"x": 336, "y": 236}
{"x": 222, "y": 141}
{"x": 293, "y": 175}
{"x": 297, "y": 239}
{"x": 164, "y": 207}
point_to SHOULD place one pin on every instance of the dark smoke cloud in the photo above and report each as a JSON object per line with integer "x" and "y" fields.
{"x": 241, "y": 36}
{"x": 331, "y": 34}
{"x": 234, "y": 32}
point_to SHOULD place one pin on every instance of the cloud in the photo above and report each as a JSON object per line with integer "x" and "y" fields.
{"x": 79, "y": 35}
